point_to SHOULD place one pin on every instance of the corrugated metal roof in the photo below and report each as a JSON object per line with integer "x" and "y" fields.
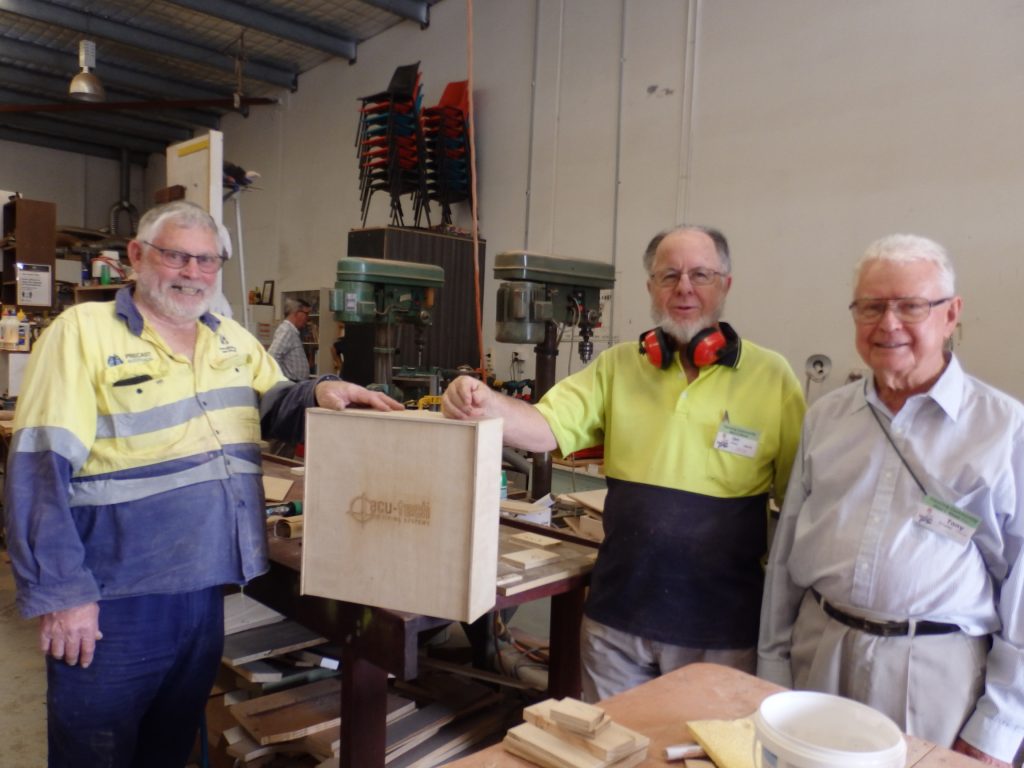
{"x": 164, "y": 50}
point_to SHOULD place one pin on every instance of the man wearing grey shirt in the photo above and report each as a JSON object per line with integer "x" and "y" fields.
{"x": 286, "y": 346}
{"x": 896, "y": 575}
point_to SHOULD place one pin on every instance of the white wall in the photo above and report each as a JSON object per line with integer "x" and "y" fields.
{"x": 84, "y": 188}
{"x": 803, "y": 128}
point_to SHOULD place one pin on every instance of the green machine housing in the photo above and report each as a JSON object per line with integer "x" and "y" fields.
{"x": 379, "y": 290}
{"x": 538, "y": 289}
{"x": 387, "y": 293}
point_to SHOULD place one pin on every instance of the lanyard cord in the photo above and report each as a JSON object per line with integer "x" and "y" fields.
{"x": 888, "y": 437}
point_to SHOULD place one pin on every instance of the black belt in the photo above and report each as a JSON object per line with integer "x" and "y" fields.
{"x": 883, "y": 628}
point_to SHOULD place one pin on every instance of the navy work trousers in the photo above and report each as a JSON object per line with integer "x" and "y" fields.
{"x": 140, "y": 702}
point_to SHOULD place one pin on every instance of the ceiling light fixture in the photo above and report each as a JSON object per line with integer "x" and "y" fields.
{"x": 85, "y": 86}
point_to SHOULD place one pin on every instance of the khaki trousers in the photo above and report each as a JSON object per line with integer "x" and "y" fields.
{"x": 928, "y": 684}
{"x": 615, "y": 661}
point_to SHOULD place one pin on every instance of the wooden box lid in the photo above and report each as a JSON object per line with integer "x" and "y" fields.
{"x": 401, "y": 511}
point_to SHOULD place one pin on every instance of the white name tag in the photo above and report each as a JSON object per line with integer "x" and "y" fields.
{"x": 737, "y": 440}
{"x": 946, "y": 520}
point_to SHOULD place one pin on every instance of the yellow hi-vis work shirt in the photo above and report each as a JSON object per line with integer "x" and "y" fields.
{"x": 689, "y": 470}
{"x": 134, "y": 470}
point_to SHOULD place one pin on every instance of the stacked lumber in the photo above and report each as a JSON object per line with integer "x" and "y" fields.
{"x": 589, "y": 524}
{"x": 571, "y": 734}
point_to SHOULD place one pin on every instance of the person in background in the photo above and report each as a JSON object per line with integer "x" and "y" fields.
{"x": 895, "y": 577}
{"x": 134, "y": 495}
{"x": 286, "y": 346}
{"x": 698, "y": 428}
{"x": 338, "y": 350}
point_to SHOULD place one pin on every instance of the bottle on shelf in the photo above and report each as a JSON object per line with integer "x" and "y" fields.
{"x": 9, "y": 330}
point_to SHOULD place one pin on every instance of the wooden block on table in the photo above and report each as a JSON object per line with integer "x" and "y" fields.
{"x": 577, "y": 716}
{"x": 289, "y": 527}
{"x": 425, "y": 544}
{"x": 276, "y": 488}
{"x": 590, "y": 499}
{"x": 530, "y": 540}
{"x": 611, "y": 742}
{"x": 546, "y": 749}
{"x": 526, "y": 559}
{"x": 517, "y": 507}
{"x": 592, "y": 527}
{"x": 270, "y": 640}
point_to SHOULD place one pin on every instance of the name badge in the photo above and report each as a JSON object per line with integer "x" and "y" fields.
{"x": 946, "y": 520}
{"x": 737, "y": 440}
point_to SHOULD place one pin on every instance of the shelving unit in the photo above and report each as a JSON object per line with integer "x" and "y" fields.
{"x": 317, "y": 336}
{"x": 29, "y": 238}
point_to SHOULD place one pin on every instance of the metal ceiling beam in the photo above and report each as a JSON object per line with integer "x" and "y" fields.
{"x": 56, "y": 88}
{"x": 90, "y": 24}
{"x": 158, "y": 104}
{"x": 98, "y": 136}
{"x": 147, "y": 129}
{"x": 110, "y": 74}
{"x": 414, "y": 10}
{"x": 77, "y": 147}
{"x": 275, "y": 25}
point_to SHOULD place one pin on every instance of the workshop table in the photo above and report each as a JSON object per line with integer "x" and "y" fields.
{"x": 660, "y": 709}
{"x": 376, "y": 642}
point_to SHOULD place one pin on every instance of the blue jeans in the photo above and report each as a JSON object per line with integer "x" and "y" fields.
{"x": 141, "y": 700}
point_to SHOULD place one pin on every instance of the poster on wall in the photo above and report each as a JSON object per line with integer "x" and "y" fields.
{"x": 35, "y": 285}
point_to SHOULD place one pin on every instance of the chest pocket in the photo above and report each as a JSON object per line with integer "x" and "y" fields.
{"x": 227, "y": 386}
{"x": 234, "y": 370}
{"x": 739, "y": 475}
{"x": 133, "y": 388}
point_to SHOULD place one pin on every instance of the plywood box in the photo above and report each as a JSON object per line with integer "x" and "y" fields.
{"x": 401, "y": 511}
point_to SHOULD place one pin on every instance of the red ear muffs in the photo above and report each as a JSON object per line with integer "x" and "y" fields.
{"x": 706, "y": 347}
{"x": 658, "y": 347}
{"x": 709, "y": 347}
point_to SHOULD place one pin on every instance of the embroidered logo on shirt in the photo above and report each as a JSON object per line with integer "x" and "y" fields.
{"x": 226, "y": 346}
{"x": 114, "y": 360}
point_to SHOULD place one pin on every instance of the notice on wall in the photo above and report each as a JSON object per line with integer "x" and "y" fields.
{"x": 35, "y": 285}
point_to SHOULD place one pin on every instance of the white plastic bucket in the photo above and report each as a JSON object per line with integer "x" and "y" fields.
{"x": 802, "y": 729}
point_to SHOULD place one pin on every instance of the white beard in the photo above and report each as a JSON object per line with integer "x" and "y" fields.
{"x": 683, "y": 332}
{"x": 169, "y": 301}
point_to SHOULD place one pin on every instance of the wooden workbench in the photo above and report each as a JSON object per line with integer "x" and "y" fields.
{"x": 377, "y": 642}
{"x": 659, "y": 709}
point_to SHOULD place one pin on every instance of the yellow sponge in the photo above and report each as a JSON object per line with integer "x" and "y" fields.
{"x": 730, "y": 743}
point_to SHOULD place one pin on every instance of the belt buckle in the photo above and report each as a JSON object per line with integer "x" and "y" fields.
{"x": 888, "y": 628}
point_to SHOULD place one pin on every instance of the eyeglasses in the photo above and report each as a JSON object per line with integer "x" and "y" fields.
{"x": 207, "y": 262}
{"x": 907, "y": 310}
{"x": 699, "y": 277}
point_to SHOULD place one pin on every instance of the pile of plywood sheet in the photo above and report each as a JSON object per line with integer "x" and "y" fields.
{"x": 427, "y": 722}
{"x": 590, "y": 524}
{"x": 571, "y": 734}
{"x": 529, "y": 560}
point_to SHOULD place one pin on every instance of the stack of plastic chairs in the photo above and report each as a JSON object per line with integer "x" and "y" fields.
{"x": 390, "y": 146}
{"x": 446, "y": 137}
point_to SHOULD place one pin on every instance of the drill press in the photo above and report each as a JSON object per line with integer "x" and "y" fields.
{"x": 386, "y": 293}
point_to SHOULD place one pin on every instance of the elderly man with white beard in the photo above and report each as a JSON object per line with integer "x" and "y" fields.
{"x": 134, "y": 494}
{"x": 699, "y": 428}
